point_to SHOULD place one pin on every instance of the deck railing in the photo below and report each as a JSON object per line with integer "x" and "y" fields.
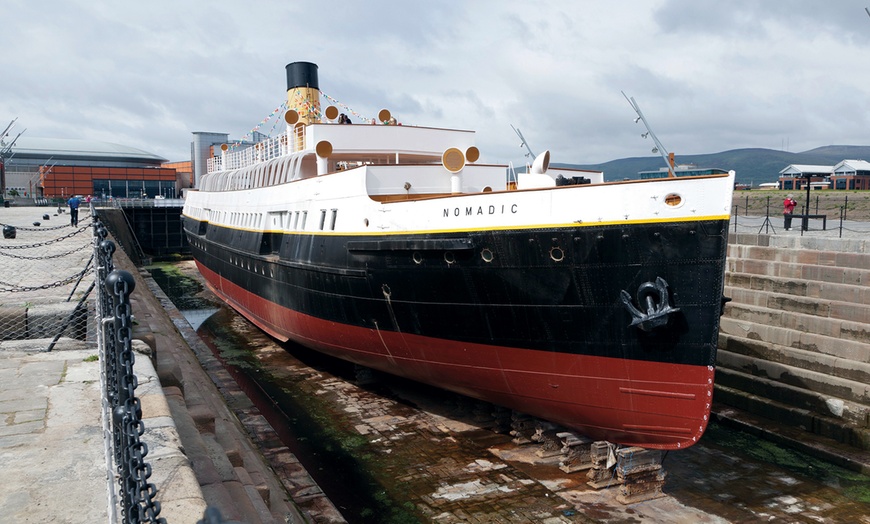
{"x": 283, "y": 144}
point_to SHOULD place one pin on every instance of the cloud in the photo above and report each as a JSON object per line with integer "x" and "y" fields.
{"x": 709, "y": 76}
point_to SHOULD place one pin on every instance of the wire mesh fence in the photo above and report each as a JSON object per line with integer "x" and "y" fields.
{"x": 45, "y": 273}
{"x": 49, "y": 267}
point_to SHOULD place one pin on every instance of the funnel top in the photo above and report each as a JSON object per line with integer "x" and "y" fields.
{"x": 302, "y": 74}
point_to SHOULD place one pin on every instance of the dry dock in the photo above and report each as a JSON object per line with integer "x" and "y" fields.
{"x": 433, "y": 453}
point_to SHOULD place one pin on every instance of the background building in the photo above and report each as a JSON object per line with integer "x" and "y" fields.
{"x": 60, "y": 167}
{"x": 795, "y": 176}
{"x": 851, "y": 174}
{"x": 203, "y": 147}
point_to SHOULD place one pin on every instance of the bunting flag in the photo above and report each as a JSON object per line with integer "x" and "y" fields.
{"x": 363, "y": 119}
{"x": 278, "y": 110}
{"x": 307, "y": 105}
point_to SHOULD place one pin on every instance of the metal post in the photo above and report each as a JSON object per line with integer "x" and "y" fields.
{"x": 71, "y": 316}
{"x": 842, "y": 216}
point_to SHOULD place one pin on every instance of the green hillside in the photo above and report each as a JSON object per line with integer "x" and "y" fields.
{"x": 753, "y": 166}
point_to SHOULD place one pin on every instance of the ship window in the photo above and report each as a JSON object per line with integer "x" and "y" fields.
{"x": 332, "y": 220}
{"x": 304, "y": 219}
{"x": 673, "y": 199}
{"x": 295, "y": 220}
{"x": 322, "y": 218}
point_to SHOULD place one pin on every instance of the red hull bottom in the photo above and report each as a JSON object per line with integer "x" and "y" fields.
{"x": 631, "y": 402}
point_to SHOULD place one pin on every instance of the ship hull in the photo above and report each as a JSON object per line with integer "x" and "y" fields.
{"x": 529, "y": 319}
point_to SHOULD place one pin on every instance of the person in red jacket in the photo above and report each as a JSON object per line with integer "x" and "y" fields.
{"x": 788, "y": 206}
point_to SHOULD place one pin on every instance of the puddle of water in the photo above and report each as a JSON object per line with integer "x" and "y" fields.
{"x": 195, "y": 317}
{"x": 852, "y": 485}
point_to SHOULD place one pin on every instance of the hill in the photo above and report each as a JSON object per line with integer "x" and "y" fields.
{"x": 753, "y": 165}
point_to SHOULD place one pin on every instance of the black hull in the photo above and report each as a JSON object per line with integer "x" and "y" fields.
{"x": 460, "y": 311}
{"x": 551, "y": 290}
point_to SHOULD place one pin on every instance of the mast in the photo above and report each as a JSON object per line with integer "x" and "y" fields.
{"x": 524, "y": 143}
{"x": 659, "y": 148}
{"x": 5, "y": 148}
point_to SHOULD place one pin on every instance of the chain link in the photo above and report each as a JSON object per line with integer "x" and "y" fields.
{"x": 48, "y": 242}
{"x": 40, "y": 228}
{"x": 87, "y": 245}
{"x": 137, "y": 496}
{"x": 15, "y": 288}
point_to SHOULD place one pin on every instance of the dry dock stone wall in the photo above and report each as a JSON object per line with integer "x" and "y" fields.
{"x": 794, "y": 343}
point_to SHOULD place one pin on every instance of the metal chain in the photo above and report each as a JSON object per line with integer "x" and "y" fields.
{"x": 138, "y": 504}
{"x": 29, "y": 228}
{"x": 87, "y": 245}
{"x": 47, "y": 242}
{"x": 15, "y": 288}
{"x": 137, "y": 496}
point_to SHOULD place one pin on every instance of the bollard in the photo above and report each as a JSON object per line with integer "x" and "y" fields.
{"x": 9, "y": 231}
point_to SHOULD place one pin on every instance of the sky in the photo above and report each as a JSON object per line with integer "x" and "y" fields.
{"x": 709, "y": 76}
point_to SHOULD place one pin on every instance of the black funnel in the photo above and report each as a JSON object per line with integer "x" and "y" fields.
{"x": 302, "y": 74}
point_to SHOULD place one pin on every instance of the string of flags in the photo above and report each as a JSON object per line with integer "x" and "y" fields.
{"x": 346, "y": 108}
{"x": 278, "y": 110}
{"x": 307, "y": 105}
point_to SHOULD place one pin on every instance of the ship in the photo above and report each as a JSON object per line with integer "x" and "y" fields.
{"x": 590, "y": 304}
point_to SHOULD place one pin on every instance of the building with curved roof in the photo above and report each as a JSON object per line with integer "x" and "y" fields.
{"x": 60, "y": 167}
{"x": 71, "y": 151}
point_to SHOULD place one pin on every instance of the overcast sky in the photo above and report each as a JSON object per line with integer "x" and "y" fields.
{"x": 709, "y": 76}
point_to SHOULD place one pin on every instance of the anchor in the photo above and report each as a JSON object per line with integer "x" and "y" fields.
{"x": 655, "y": 299}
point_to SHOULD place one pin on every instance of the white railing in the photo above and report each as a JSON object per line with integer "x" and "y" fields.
{"x": 260, "y": 152}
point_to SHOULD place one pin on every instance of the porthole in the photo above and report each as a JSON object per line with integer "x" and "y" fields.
{"x": 449, "y": 257}
{"x": 417, "y": 257}
{"x": 557, "y": 254}
{"x": 486, "y": 255}
{"x": 673, "y": 200}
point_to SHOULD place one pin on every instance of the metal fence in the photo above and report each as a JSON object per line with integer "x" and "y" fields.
{"x": 39, "y": 263}
{"x": 829, "y": 219}
{"x": 45, "y": 267}
{"x": 122, "y": 411}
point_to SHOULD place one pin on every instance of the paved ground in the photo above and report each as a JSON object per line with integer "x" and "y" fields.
{"x": 53, "y": 463}
{"x": 51, "y": 440}
{"x": 51, "y": 444}
{"x": 54, "y": 457}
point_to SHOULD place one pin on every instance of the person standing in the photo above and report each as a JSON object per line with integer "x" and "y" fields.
{"x": 73, "y": 204}
{"x": 788, "y": 206}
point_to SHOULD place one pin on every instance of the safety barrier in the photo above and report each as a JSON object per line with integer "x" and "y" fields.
{"x": 122, "y": 411}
